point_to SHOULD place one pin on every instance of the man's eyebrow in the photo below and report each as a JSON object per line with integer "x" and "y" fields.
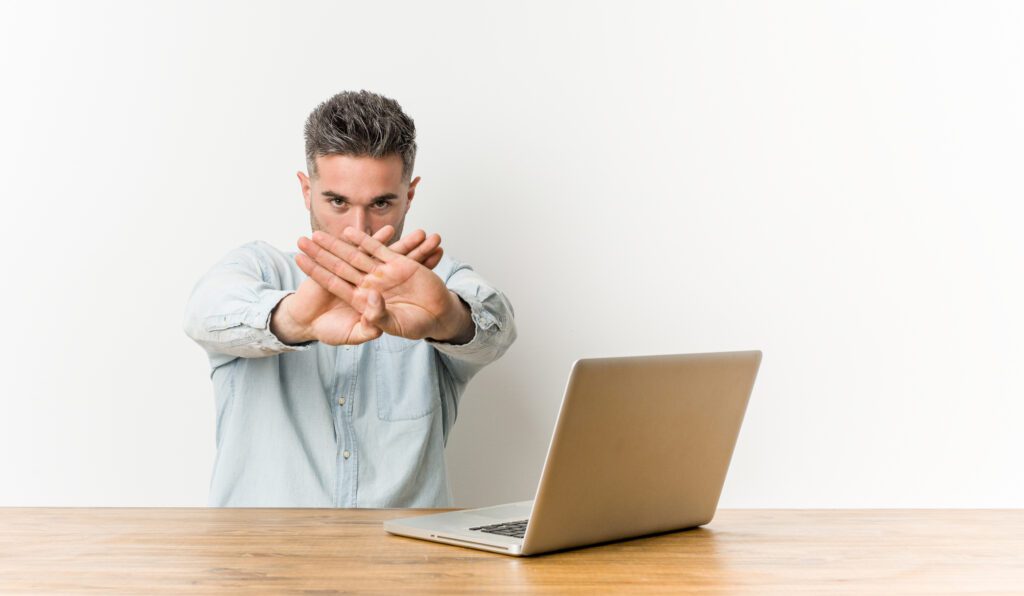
{"x": 385, "y": 197}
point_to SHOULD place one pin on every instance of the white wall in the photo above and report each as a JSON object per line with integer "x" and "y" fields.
{"x": 835, "y": 183}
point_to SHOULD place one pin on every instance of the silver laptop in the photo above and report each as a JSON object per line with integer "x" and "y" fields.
{"x": 641, "y": 446}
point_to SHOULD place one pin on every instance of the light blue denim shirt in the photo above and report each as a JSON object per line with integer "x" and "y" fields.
{"x": 314, "y": 425}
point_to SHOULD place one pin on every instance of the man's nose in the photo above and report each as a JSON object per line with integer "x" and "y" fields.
{"x": 361, "y": 221}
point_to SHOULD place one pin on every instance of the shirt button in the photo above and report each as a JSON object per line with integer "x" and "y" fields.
{"x": 341, "y": 401}
{"x": 346, "y": 454}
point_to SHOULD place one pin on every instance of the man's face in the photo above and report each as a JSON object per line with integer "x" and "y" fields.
{"x": 366, "y": 193}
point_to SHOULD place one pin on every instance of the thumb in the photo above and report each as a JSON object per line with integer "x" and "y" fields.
{"x": 375, "y": 313}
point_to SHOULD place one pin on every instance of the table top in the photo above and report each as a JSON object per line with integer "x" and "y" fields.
{"x": 207, "y": 550}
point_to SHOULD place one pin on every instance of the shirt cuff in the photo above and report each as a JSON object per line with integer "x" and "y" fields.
{"x": 259, "y": 318}
{"x": 485, "y": 327}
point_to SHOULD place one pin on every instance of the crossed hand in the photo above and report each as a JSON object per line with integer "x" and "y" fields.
{"x": 358, "y": 288}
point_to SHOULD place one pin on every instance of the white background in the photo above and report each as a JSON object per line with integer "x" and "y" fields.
{"x": 838, "y": 184}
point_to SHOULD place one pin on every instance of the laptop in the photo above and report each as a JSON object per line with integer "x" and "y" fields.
{"x": 641, "y": 446}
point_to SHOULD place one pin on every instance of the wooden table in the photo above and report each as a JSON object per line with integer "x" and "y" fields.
{"x": 178, "y": 550}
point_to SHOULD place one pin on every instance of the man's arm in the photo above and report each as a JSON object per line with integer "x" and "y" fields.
{"x": 456, "y": 322}
{"x": 240, "y": 309}
{"x": 493, "y": 324}
{"x": 228, "y": 311}
{"x": 284, "y": 327}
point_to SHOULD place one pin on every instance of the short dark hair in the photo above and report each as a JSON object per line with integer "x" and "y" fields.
{"x": 360, "y": 124}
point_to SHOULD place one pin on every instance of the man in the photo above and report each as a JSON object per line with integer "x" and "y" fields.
{"x": 337, "y": 370}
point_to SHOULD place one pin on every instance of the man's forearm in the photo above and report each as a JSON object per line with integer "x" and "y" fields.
{"x": 458, "y": 326}
{"x": 285, "y": 328}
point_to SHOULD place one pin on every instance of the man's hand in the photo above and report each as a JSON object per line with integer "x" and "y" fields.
{"x": 317, "y": 312}
{"x": 394, "y": 292}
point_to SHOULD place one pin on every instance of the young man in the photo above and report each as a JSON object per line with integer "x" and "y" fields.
{"x": 337, "y": 370}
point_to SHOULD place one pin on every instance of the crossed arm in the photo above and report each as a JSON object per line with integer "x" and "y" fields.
{"x": 359, "y": 288}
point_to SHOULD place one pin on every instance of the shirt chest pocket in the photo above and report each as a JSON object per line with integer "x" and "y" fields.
{"x": 406, "y": 378}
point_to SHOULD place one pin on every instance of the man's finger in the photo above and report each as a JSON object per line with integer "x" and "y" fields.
{"x": 429, "y": 245}
{"x": 375, "y": 314}
{"x": 329, "y": 261}
{"x": 369, "y": 245}
{"x": 410, "y": 242}
{"x": 345, "y": 251}
{"x": 434, "y": 258}
{"x": 363, "y": 332}
{"x": 384, "y": 234}
{"x": 327, "y": 280}
{"x": 335, "y": 265}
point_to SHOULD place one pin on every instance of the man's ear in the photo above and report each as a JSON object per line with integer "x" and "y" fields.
{"x": 304, "y": 183}
{"x": 412, "y": 192}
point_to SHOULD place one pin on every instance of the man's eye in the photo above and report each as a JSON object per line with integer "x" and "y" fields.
{"x": 337, "y": 202}
{"x": 382, "y": 204}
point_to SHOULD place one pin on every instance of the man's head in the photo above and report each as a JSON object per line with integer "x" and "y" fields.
{"x": 360, "y": 151}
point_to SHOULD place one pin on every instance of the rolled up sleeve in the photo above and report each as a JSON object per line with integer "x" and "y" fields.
{"x": 228, "y": 312}
{"x": 493, "y": 320}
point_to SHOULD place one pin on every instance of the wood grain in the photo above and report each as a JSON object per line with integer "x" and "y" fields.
{"x": 328, "y": 551}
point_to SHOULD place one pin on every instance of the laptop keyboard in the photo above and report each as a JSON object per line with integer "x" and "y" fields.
{"x": 516, "y": 529}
